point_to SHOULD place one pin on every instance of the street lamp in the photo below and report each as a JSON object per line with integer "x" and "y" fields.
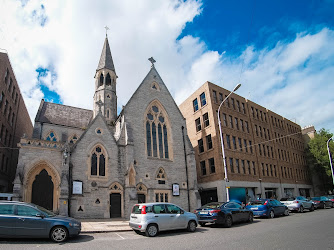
{"x": 330, "y": 158}
{"x": 222, "y": 141}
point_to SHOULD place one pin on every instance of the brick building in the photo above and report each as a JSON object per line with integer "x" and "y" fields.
{"x": 14, "y": 123}
{"x": 97, "y": 164}
{"x": 264, "y": 151}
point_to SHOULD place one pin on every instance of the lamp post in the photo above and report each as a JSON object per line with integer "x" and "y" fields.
{"x": 330, "y": 158}
{"x": 222, "y": 141}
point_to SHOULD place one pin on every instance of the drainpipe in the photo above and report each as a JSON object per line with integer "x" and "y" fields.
{"x": 185, "y": 159}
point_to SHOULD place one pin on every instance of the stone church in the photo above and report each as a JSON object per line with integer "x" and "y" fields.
{"x": 97, "y": 164}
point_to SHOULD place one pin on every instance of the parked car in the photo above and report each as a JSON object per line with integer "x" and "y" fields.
{"x": 225, "y": 213}
{"x": 20, "y": 219}
{"x": 299, "y": 204}
{"x": 322, "y": 202}
{"x": 331, "y": 197}
{"x": 267, "y": 207}
{"x": 152, "y": 218}
{"x": 6, "y": 196}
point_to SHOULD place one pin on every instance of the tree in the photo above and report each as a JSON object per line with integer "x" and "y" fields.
{"x": 318, "y": 160}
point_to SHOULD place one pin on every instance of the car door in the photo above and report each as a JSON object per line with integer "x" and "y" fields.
{"x": 233, "y": 209}
{"x": 177, "y": 217}
{"x": 280, "y": 207}
{"x": 7, "y": 220}
{"x": 161, "y": 217}
{"x": 28, "y": 223}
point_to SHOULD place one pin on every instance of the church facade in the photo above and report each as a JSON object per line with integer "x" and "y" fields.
{"x": 97, "y": 163}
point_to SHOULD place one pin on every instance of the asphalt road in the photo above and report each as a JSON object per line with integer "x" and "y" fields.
{"x": 310, "y": 230}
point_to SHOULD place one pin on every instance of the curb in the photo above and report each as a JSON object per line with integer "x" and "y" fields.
{"x": 106, "y": 231}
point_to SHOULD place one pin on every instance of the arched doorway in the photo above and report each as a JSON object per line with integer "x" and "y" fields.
{"x": 42, "y": 190}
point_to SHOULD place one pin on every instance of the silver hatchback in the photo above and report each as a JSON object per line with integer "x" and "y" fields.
{"x": 150, "y": 218}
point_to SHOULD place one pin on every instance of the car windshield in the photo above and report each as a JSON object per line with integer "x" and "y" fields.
{"x": 47, "y": 212}
{"x": 287, "y": 199}
{"x": 301, "y": 198}
{"x": 316, "y": 198}
{"x": 256, "y": 203}
{"x": 212, "y": 205}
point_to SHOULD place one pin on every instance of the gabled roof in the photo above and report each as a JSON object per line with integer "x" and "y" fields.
{"x": 106, "y": 61}
{"x": 58, "y": 114}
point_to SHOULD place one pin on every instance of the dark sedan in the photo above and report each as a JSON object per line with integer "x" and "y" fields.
{"x": 322, "y": 202}
{"x": 20, "y": 219}
{"x": 225, "y": 213}
{"x": 267, "y": 208}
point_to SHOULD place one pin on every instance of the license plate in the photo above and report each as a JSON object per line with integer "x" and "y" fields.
{"x": 203, "y": 212}
{"x": 254, "y": 208}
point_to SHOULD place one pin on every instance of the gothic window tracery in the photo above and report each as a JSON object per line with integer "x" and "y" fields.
{"x": 108, "y": 80}
{"x": 101, "y": 80}
{"x": 98, "y": 162}
{"x": 157, "y": 132}
{"x": 51, "y": 136}
{"x": 161, "y": 175}
{"x": 73, "y": 139}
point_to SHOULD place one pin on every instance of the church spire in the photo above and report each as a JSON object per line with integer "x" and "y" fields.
{"x": 106, "y": 61}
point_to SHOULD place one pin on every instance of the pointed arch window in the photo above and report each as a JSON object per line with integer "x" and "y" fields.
{"x": 98, "y": 162}
{"x": 51, "y": 136}
{"x": 161, "y": 175}
{"x": 108, "y": 80}
{"x": 157, "y": 132}
{"x": 101, "y": 80}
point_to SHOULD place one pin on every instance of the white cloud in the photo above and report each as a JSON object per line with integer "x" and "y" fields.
{"x": 292, "y": 79}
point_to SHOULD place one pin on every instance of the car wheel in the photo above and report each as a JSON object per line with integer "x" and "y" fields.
{"x": 228, "y": 221}
{"x": 59, "y": 234}
{"x": 271, "y": 214}
{"x": 286, "y": 212}
{"x": 325, "y": 206}
{"x": 151, "y": 230}
{"x": 191, "y": 226}
{"x": 301, "y": 209}
{"x": 202, "y": 224}
{"x": 250, "y": 217}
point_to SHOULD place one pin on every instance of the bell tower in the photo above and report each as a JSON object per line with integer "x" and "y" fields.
{"x": 105, "y": 85}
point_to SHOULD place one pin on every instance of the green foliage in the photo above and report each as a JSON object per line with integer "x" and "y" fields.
{"x": 317, "y": 157}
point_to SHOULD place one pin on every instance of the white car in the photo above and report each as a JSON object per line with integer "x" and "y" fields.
{"x": 298, "y": 204}
{"x": 150, "y": 218}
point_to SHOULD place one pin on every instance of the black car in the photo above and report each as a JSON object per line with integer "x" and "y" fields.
{"x": 322, "y": 202}
{"x": 224, "y": 213}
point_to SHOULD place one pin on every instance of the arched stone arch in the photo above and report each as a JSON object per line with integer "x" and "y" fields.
{"x": 155, "y": 85}
{"x": 158, "y": 132}
{"x": 116, "y": 199}
{"x": 108, "y": 79}
{"x": 99, "y": 150}
{"x": 141, "y": 192}
{"x": 161, "y": 174}
{"x": 30, "y": 176}
{"x": 101, "y": 80}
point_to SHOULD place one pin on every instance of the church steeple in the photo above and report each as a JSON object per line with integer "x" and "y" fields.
{"x": 106, "y": 61}
{"x": 105, "y": 98}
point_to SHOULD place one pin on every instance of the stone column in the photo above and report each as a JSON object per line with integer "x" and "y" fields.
{"x": 64, "y": 185}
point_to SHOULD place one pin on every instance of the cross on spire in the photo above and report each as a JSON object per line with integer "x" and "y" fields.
{"x": 107, "y": 28}
{"x": 151, "y": 59}
{"x": 99, "y": 103}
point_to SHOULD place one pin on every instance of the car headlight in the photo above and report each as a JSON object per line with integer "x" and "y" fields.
{"x": 74, "y": 224}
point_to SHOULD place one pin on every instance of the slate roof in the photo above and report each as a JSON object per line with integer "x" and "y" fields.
{"x": 106, "y": 61}
{"x": 63, "y": 115}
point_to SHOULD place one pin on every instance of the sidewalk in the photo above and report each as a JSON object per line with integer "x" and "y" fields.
{"x": 104, "y": 225}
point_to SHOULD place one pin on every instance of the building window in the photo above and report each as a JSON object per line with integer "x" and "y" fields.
{"x": 200, "y": 146}
{"x": 236, "y": 123}
{"x": 242, "y": 125}
{"x": 225, "y": 120}
{"x": 238, "y": 105}
{"x": 227, "y": 101}
{"x": 5, "y": 109}
{"x": 202, "y": 98}
{"x": 243, "y": 108}
{"x": 73, "y": 139}
{"x": 249, "y": 167}
{"x": 250, "y": 147}
{"x": 206, "y": 120}
{"x": 198, "y": 124}
{"x": 2, "y": 96}
{"x": 220, "y": 97}
{"x": 108, "y": 80}
{"x": 256, "y": 131}
{"x": 237, "y": 165}
{"x": 245, "y": 143}
{"x": 246, "y": 125}
{"x": 157, "y": 133}
{"x": 231, "y": 121}
{"x": 260, "y": 151}
{"x": 254, "y": 169}
{"x": 234, "y": 142}
{"x": 212, "y": 165}
{"x": 231, "y": 165}
{"x": 195, "y": 105}
{"x": 228, "y": 141}
{"x": 160, "y": 196}
{"x": 51, "y": 136}
{"x": 203, "y": 167}
{"x": 243, "y": 166}
{"x": 240, "y": 144}
{"x": 209, "y": 142}
{"x": 98, "y": 162}
{"x": 161, "y": 175}
{"x": 233, "y": 105}
{"x": 214, "y": 93}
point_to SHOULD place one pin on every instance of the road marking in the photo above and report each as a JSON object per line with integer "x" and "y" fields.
{"x": 120, "y": 236}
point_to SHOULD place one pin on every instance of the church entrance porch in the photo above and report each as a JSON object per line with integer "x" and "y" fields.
{"x": 42, "y": 190}
{"x": 115, "y": 205}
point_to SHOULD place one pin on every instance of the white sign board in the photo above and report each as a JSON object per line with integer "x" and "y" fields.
{"x": 176, "y": 189}
{"x": 77, "y": 187}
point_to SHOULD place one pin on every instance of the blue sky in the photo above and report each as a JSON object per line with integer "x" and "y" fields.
{"x": 281, "y": 51}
